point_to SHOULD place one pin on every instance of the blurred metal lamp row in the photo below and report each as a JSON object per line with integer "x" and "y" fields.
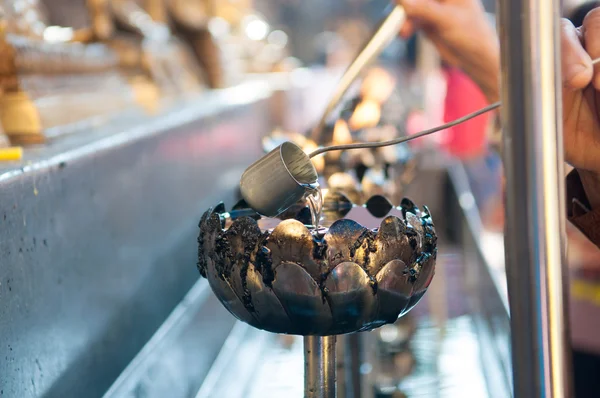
{"x": 131, "y": 53}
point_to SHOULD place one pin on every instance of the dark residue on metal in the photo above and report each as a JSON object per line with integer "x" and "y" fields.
{"x": 202, "y": 263}
{"x": 250, "y": 234}
{"x": 319, "y": 248}
{"x": 368, "y": 240}
{"x": 264, "y": 262}
{"x": 257, "y": 252}
{"x": 243, "y": 244}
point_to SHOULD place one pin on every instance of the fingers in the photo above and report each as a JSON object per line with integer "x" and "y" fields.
{"x": 428, "y": 12}
{"x": 576, "y": 63}
{"x": 407, "y": 30}
{"x": 591, "y": 36}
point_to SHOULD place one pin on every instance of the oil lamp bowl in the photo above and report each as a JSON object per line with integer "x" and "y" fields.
{"x": 296, "y": 279}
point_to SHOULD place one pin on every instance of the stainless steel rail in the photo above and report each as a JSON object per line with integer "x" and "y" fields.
{"x": 535, "y": 233}
{"x": 83, "y": 291}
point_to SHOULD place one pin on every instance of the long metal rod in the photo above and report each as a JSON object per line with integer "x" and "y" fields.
{"x": 383, "y": 35}
{"x": 535, "y": 225}
{"x": 380, "y": 144}
{"x": 319, "y": 367}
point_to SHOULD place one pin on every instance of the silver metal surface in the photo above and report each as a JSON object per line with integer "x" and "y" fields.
{"x": 387, "y": 30}
{"x": 95, "y": 233}
{"x": 535, "y": 225}
{"x": 489, "y": 308}
{"x": 237, "y": 360}
{"x": 353, "y": 361}
{"x": 278, "y": 180}
{"x": 319, "y": 367}
{"x": 169, "y": 363}
{"x": 262, "y": 364}
{"x": 342, "y": 279}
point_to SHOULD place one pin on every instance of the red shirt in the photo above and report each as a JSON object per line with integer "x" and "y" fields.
{"x": 463, "y": 96}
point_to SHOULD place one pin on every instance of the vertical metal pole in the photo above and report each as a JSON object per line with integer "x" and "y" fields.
{"x": 354, "y": 346}
{"x": 319, "y": 367}
{"x": 341, "y": 378}
{"x": 535, "y": 230}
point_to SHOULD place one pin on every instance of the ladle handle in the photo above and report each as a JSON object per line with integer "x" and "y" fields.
{"x": 363, "y": 145}
{"x": 327, "y": 206}
{"x": 387, "y": 30}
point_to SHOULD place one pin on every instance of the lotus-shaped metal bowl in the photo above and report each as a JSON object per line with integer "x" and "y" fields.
{"x": 300, "y": 280}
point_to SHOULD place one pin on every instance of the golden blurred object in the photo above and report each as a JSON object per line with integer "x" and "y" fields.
{"x": 346, "y": 184}
{"x": 49, "y": 84}
{"x": 378, "y": 85}
{"x": 211, "y": 53}
{"x": 57, "y": 76}
{"x": 318, "y": 161}
{"x": 4, "y": 142}
{"x": 157, "y": 10}
{"x": 228, "y": 39}
{"x": 207, "y": 35}
{"x": 11, "y": 154}
{"x": 367, "y": 114}
{"x": 233, "y": 11}
{"x": 191, "y": 14}
{"x": 146, "y": 93}
{"x": 20, "y": 118}
{"x": 102, "y": 25}
{"x": 49, "y": 80}
{"x": 341, "y": 136}
{"x": 148, "y": 50}
{"x": 341, "y": 133}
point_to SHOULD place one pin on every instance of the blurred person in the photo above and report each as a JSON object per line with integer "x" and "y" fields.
{"x": 465, "y": 38}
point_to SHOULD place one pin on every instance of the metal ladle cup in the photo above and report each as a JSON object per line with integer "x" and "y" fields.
{"x": 286, "y": 174}
{"x": 278, "y": 180}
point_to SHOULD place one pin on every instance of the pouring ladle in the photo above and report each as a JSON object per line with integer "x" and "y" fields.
{"x": 285, "y": 175}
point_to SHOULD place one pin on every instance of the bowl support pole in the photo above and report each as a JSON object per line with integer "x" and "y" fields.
{"x": 319, "y": 367}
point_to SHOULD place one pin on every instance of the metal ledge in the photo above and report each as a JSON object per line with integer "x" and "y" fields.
{"x": 487, "y": 294}
{"x": 97, "y": 237}
{"x": 181, "y": 352}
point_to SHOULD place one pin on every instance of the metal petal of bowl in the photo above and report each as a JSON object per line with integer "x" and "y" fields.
{"x": 300, "y": 280}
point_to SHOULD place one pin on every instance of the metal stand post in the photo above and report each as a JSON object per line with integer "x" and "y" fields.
{"x": 341, "y": 378}
{"x": 353, "y": 352}
{"x": 319, "y": 367}
{"x": 535, "y": 230}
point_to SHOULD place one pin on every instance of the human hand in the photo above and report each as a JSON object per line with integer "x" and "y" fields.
{"x": 452, "y": 24}
{"x": 462, "y": 34}
{"x": 581, "y": 101}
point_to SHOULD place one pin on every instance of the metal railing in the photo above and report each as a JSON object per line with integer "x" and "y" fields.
{"x": 535, "y": 221}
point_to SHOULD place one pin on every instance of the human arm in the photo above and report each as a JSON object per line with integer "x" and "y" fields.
{"x": 464, "y": 37}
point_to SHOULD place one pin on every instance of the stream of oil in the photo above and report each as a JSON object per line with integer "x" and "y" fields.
{"x": 315, "y": 202}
